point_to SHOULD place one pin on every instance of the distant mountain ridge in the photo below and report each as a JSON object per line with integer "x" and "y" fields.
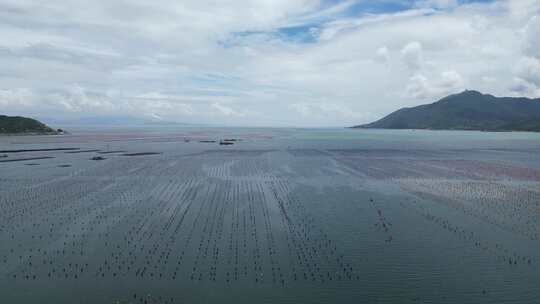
{"x": 469, "y": 110}
{"x": 23, "y": 125}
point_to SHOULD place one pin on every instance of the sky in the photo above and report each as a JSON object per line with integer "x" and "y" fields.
{"x": 305, "y": 63}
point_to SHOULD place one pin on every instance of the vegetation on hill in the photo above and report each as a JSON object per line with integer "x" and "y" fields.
{"x": 18, "y": 125}
{"x": 469, "y": 110}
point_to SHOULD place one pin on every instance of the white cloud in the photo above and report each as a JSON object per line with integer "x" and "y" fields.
{"x": 412, "y": 57}
{"x": 382, "y": 55}
{"x": 528, "y": 69}
{"x": 16, "y": 98}
{"x": 531, "y": 42}
{"x": 522, "y": 8}
{"x": 521, "y": 87}
{"x": 233, "y": 62}
{"x": 439, "y": 4}
{"x": 320, "y": 110}
{"x": 422, "y": 87}
{"x": 488, "y": 79}
{"x": 451, "y": 81}
{"x": 229, "y": 111}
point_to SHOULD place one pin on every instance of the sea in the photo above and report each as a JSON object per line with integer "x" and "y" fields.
{"x": 270, "y": 215}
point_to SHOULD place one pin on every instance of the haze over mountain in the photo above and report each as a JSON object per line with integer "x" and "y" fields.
{"x": 108, "y": 121}
{"x": 469, "y": 110}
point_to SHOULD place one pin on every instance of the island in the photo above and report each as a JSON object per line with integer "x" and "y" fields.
{"x": 24, "y": 125}
{"x": 469, "y": 110}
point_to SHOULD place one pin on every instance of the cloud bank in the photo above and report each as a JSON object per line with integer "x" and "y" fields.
{"x": 260, "y": 63}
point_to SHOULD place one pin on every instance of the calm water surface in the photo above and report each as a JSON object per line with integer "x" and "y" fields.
{"x": 279, "y": 216}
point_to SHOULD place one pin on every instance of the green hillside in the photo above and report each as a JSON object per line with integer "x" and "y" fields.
{"x": 19, "y": 125}
{"x": 469, "y": 110}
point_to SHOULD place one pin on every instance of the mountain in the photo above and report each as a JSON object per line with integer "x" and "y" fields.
{"x": 469, "y": 110}
{"x": 18, "y": 125}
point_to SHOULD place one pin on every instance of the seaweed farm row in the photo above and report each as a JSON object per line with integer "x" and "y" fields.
{"x": 269, "y": 221}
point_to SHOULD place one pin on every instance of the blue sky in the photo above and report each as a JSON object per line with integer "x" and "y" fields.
{"x": 260, "y": 62}
{"x": 358, "y": 9}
